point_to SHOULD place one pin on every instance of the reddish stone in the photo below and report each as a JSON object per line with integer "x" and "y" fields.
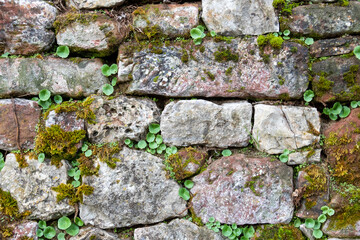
{"x": 24, "y": 229}
{"x": 28, "y": 114}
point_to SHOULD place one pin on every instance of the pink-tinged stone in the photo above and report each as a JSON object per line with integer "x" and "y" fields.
{"x": 24, "y": 229}
{"x": 334, "y": 46}
{"x": 173, "y": 20}
{"x": 28, "y": 115}
{"x": 244, "y": 190}
{"x": 186, "y": 70}
{"x": 25, "y": 26}
{"x": 68, "y": 121}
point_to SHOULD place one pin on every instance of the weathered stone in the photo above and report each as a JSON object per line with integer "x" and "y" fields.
{"x": 347, "y": 232}
{"x": 28, "y": 76}
{"x": 308, "y": 232}
{"x": 325, "y": 20}
{"x": 278, "y": 231}
{"x": 314, "y": 180}
{"x": 28, "y": 116}
{"x": 343, "y": 238}
{"x": 277, "y": 128}
{"x": 135, "y": 192}
{"x": 233, "y": 18}
{"x": 311, "y": 156}
{"x": 178, "y": 229}
{"x": 98, "y": 38}
{"x": 334, "y": 46}
{"x": 189, "y": 122}
{"x": 336, "y": 78}
{"x": 244, "y": 190}
{"x": 92, "y": 4}
{"x": 31, "y": 187}
{"x": 173, "y": 20}
{"x": 120, "y": 118}
{"x": 24, "y": 229}
{"x": 66, "y": 120}
{"x": 91, "y": 233}
{"x": 216, "y": 69}
{"x": 25, "y": 26}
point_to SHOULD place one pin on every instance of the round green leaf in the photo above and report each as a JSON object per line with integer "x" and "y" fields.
{"x": 188, "y": 184}
{"x": 162, "y": 146}
{"x": 150, "y": 137}
{"x": 159, "y": 151}
{"x": 198, "y": 41}
{"x": 75, "y": 183}
{"x": 226, "y": 231}
{"x": 105, "y": 69}
{"x": 325, "y": 209}
{"x": 237, "y": 232}
{"x": 71, "y": 172}
{"x": 331, "y": 212}
{"x": 113, "y": 82}
{"x": 196, "y": 33}
{"x": 226, "y": 153}
{"x": 152, "y": 151}
{"x": 58, "y": 99}
{"x": 201, "y": 27}
{"x": 333, "y": 116}
{"x": 42, "y": 224}
{"x": 322, "y": 218}
{"x": 113, "y": 68}
{"x": 41, "y": 157}
{"x": 234, "y": 226}
{"x": 142, "y": 144}
{"x": 309, "y": 41}
{"x": 286, "y": 32}
{"x": 84, "y": 147}
{"x": 173, "y": 150}
{"x": 79, "y": 222}
{"x": 297, "y": 223}
{"x": 44, "y": 94}
{"x": 73, "y": 230}
{"x": 61, "y": 236}
{"x": 64, "y": 222}
{"x": 128, "y": 141}
{"x": 308, "y": 95}
{"x": 88, "y": 153}
{"x": 357, "y": 52}
{"x": 232, "y": 236}
{"x": 284, "y": 158}
{"x": 317, "y": 233}
{"x": 107, "y": 89}
{"x": 49, "y": 232}
{"x": 317, "y": 225}
{"x": 154, "y": 128}
{"x": 45, "y": 104}
{"x": 344, "y": 112}
{"x": 159, "y": 139}
{"x": 336, "y": 109}
{"x": 153, "y": 145}
{"x": 2, "y": 163}
{"x": 213, "y": 33}
{"x": 309, "y": 223}
{"x": 249, "y": 232}
{"x": 184, "y": 193}
{"x": 211, "y": 219}
{"x": 39, "y": 233}
{"x": 63, "y": 51}
{"x": 326, "y": 111}
{"x": 354, "y": 104}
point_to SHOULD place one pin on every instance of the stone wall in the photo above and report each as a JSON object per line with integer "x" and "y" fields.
{"x": 250, "y": 131}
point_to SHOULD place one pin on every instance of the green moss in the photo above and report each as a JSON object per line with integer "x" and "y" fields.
{"x": 323, "y": 85}
{"x": 275, "y": 42}
{"x": 155, "y": 79}
{"x": 284, "y": 96}
{"x": 57, "y": 143}
{"x": 280, "y": 232}
{"x": 219, "y": 38}
{"x": 316, "y": 186}
{"x": 277, "y": 3}
{"x": 156, "y": 50}
{"x": 62, "y": 21}
{"x": 251, "y": 184}
{"x": 225, "y": 55}
{"x": 350, "y": 76}
{"x": 281, "y": 80}
{"x": 293, "y": 49}
{"x": 280, "y": 64}
{"x": 74, "y": 195}
{"x": 185, "y": 56}
{"x": 20, "y": 158}
{"x": 266, "y": 58}
{"x": 343, "y": 3}
{"x": 210, "y": 75}
{"x": 228, "y": 71}
{"x": 202, "y": 49}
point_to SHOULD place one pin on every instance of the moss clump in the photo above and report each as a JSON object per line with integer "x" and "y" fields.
{"x": 74, "y": 195}
{"x": 20, "y": 158}
{"x": 63, "y": 21}
{"x": 264, "y": 40}
{"x": 210, "y": 75}
{"x": 317, "y": 184}
{"x": 81, "y": 108}
{"x": 277, "y": 3}
{"x": 350, "y": 76}
{"x": 57, "y": 143}
{"x": 323, "y": 85}
{"x": 185, "y": 56}
{"x": 155, "y": 79}
{"x": 266, "y": 58}
{"x": 225, "y": 55}
{"x": 219, "y": 38}
{"x": 180, "y": 160}
{"x": 202, "y": 49}
{"x": 228, "y": 71}
{"x": 281, "y": 80}
{"x": 156, "y": 50}
{"x": 294, "y": 49}
{"x": 252, "y": 184}
{"x": 280, "y": 232}
{"x": 343, "y": 3}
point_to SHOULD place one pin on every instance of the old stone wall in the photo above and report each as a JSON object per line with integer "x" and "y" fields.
{"x": 153, "y": 120}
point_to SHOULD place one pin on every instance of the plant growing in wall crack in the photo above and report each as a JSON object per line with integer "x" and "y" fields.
{"x": 107, "y": 71}
{"x": 2, "y": 162}
{"x": 308, "y": 96}
{"x": 64, "y": 223}
{"x": 339, "y": 110}
{"x": 63, "y": 51}
{"x": 184, "y": 192}
{"x": 231, "y": 231}
{"x": 198, "y": 34}
{"x": 357, "y": 52}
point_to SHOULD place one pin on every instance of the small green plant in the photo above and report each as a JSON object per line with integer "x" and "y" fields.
{"x": 2, "y": 161}
{"x": 113, "y": 82}
{"x": 226, "y": 153}
{"x": 284, "y": 157}
{"x": 357, "y": 52}
{"x": 44, "y": 99}
{"x": 76, "y": 174}
{"x": 231, "y": 232}
{"x": 355, "y": 104}
{"x": 337, "y": 111}
{"x": 213, "y": 33}
{"x": 41, "y": 157}
{"x": 5, "y": 55}
{"x": 309, "y": 41}
{"x": 109, "y": 70}
{"x": 63, "y": 51}
{"x": 308, "y": 96}
{"x": 184, "y": 192}
{"x": 58, "y": 99}
{"x": 107, "y": 89}
{"x": 63, "y": 224}
{"x": 198, "y": 34}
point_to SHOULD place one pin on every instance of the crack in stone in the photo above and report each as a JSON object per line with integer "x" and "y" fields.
{"x": 288, "y": 122}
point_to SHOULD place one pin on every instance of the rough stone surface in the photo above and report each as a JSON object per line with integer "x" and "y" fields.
{"x": 334, "y": 46}
{"x": 332, "y": 81}
{"x": 31, "y": 187}
{"x": 189, "y": 122}
{"x": 28, "y": 115}
{"x": 25, "y": 26}
{"x": 188, "y": 70}
{"x": 173, "y": 20}
{"x": 307, "y": 232}
{"x": 66, "y": 120}
{"x": 233, "y": 18}
{"x": 24, "y": 229}
{"x": 120, "y": 118}
{"x": 277, "y": 128}
{"x": 21, "y": 76}
{"x": 87, "y": 233}
{"x": 97, "y": 38}
{"x": 135, "y": 192}
{"x": 244, "y": 190}
{"x": 92, "y": 4}
{"x": 178, "y": 229}
{"x": 347, "y": 232}
{"x": 325, "y": 20}
{"x": 297, "y": 158}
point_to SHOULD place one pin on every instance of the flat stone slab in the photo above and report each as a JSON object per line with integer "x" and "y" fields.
{"x": 215, "y": 69}
{"x": 92, "y": 4}
{"x": 312, "y": 156}
{"x": 31, "y": 187}
{"x": 200, "y": 122}
{"x": 244, "y": 190}
{"x": 178, "y": 229}
{"x": 135, "y": 192}
{"x": 277, "y": 128}
{"x": 88, "y": 233}
{"x": 233, "y": 18}
{"x": 334, "y": 46}
{"x": 173, "y": 20}
{"x": 26, "y": 26}
{"x": 325, "y": 20}
{"x": 28, "y": 116}
{"x": 344, "y": 233}
{"x": 72, "y": 78}
{"x": 120, "y": 118}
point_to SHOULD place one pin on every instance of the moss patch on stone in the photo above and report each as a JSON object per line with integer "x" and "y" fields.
{"x": 62, "y": 21}
{"x": 74, "y": 195}
{"x": 317, "y": 184}
{"x": 323, "y": 85}
{"x": 225, "y": 55}
{"x": 280, "y": 232}
{"x": 269, "y": 39}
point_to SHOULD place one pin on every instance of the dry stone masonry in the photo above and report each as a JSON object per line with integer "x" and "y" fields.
{"x": 181, "y": 120}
